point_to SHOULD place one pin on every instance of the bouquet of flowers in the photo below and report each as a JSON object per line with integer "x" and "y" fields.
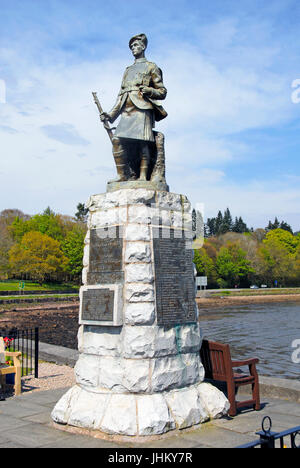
{"x": 8, "y": 342}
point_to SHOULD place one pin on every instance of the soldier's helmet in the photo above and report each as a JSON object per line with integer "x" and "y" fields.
{"x": 139, "y": 37}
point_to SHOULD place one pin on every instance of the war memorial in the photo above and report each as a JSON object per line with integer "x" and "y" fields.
{"x": 139, "y": 372}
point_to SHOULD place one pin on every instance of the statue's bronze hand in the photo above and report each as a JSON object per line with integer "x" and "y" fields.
{"x": 145, "y": 90}
{"x": 104, "y": 117}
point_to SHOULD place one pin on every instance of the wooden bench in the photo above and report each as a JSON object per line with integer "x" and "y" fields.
{"x": 15, "y": 369}
{"x": 218, "y": 366}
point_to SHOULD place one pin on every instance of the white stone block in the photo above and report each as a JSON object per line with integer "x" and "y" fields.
{"x": 136, "y": 196}
{"x": 139, "y": 292}
{"x": 153, "y": 415}
{"x": 80, "y": 336}
{"x": 110, "y": 217}
{"x": 136, "y": 375}
{"x": 86, "y": 255}
{"x": 139, "y": 273}
{"x": 95, "y": 202}
{"x": 165, "y": 217}
{"x": 187, "y": 221}
{"x": 174, "y": 372}
{"x": 164, "y": 342}
{"x": 87, "y": 370}
{"x": 84, "y": 275}
{"x": 137, "y": 341}
{"x": 213, "y": 400}
{"x": 124, "y": 375}
{"x": 148, "y": 342}
{"x": 120, "y": 416}
{"x": 137, "y": 252}
{"x": 177, "y": 219}
{"x": 140, "y": 313}
{"x": 186, "y": 408}
{"x": 101, "y": 341}
{"x": 63, "y": 407}
{"x": 189, "y": 338}
{"x": 87, "y": 409}
{"x": 141, "y": 214}
{"x": 111, "y": 374}
{"x": 187, "y": 208}
{"x": 171, "y": 201}
{"x": 87, "y": 237}
{"x": 137, "y": 232}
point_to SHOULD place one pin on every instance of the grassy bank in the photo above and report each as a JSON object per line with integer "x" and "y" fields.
{"x": 36, "y": 297}
{"x": 13, "y": 285}
{"x": 253, "y": 292}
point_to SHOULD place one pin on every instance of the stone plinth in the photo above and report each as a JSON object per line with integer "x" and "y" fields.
{"x": 139, "y": 371}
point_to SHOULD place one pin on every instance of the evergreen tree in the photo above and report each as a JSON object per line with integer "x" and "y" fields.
{"x": 274, "y": 225}
{"x": 219, "y": 223}
{"x": 227, "y": 222}
{"x": 82, "y": 213}
{"x": 279, "y": 225}
{"x": 239, "y": 226}
{"x": 211, "y": 227}
{"x": 286, "y": 227}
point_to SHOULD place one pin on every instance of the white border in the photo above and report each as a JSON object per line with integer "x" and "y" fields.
{"x": 118, "y": 305}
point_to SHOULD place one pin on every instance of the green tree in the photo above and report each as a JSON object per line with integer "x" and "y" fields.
{"x": 54, "y": 225}
{"x": 232, "y": 265}
{"x": 38, "y": 256}
{"x": 239, "y": 226}
{"x": 210, "y": 227}
{"x": 278, "y": 257}
{"x": 284, "y": 238}
{"x": 227, "y": 223}
{"x": 73, "y": 247}
{"x": 82, "y": 212}
{"x": 279, "y": 225}
{"x": 6, "y": 239}
{"x": 205, "y": 265}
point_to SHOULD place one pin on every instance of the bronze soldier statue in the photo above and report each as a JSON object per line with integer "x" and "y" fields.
{"x": 137, "y": 149}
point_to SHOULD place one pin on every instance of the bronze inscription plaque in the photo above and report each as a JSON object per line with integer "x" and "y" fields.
{"x": 174, "y": 277}
{"x": 105, "y": 262}
{"x": 98, "y": 305}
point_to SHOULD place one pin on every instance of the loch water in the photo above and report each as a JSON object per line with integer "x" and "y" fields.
{"x": 269, "y": 331}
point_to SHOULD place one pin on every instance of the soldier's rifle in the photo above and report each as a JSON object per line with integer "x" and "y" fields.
{"x": 105, "y": 122}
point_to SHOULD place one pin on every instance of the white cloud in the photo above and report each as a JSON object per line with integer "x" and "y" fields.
{"x": 55, "y": 151}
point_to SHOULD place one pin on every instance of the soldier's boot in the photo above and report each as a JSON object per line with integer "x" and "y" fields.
{"x": 159, "y": 171}
{"x": 120, "y": 166}
{"x": 145, "y": 158}
{"x": 120, "y": 157}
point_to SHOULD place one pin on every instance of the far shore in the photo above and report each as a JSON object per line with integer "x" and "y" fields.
{"x": 235, "y": 300}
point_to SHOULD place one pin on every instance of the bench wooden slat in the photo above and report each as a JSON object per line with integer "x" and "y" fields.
{"x": 218, "y": 366}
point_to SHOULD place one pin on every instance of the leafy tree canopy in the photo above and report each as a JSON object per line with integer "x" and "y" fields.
{"x": 39, "y": 256}
{"x": 72, "y": 247}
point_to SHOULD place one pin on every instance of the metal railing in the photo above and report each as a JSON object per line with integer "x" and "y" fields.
{"x": 269, "y": 439}
{"x": 26, "y": 341}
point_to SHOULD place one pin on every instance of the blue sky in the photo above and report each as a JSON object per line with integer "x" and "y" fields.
{"x": 232, "y": 134}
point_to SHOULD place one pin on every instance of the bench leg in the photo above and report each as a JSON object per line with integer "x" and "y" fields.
{"x": 255, "y": 395}
{"x": 231, "y": 397}
{"x": 3, "y": 382}
{"x": 18, "y": 381}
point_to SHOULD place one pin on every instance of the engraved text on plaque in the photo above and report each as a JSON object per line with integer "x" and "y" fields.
{"x": 174, "y": 276}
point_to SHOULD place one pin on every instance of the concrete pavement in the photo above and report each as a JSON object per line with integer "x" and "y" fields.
{"x": 25, "y": 423}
